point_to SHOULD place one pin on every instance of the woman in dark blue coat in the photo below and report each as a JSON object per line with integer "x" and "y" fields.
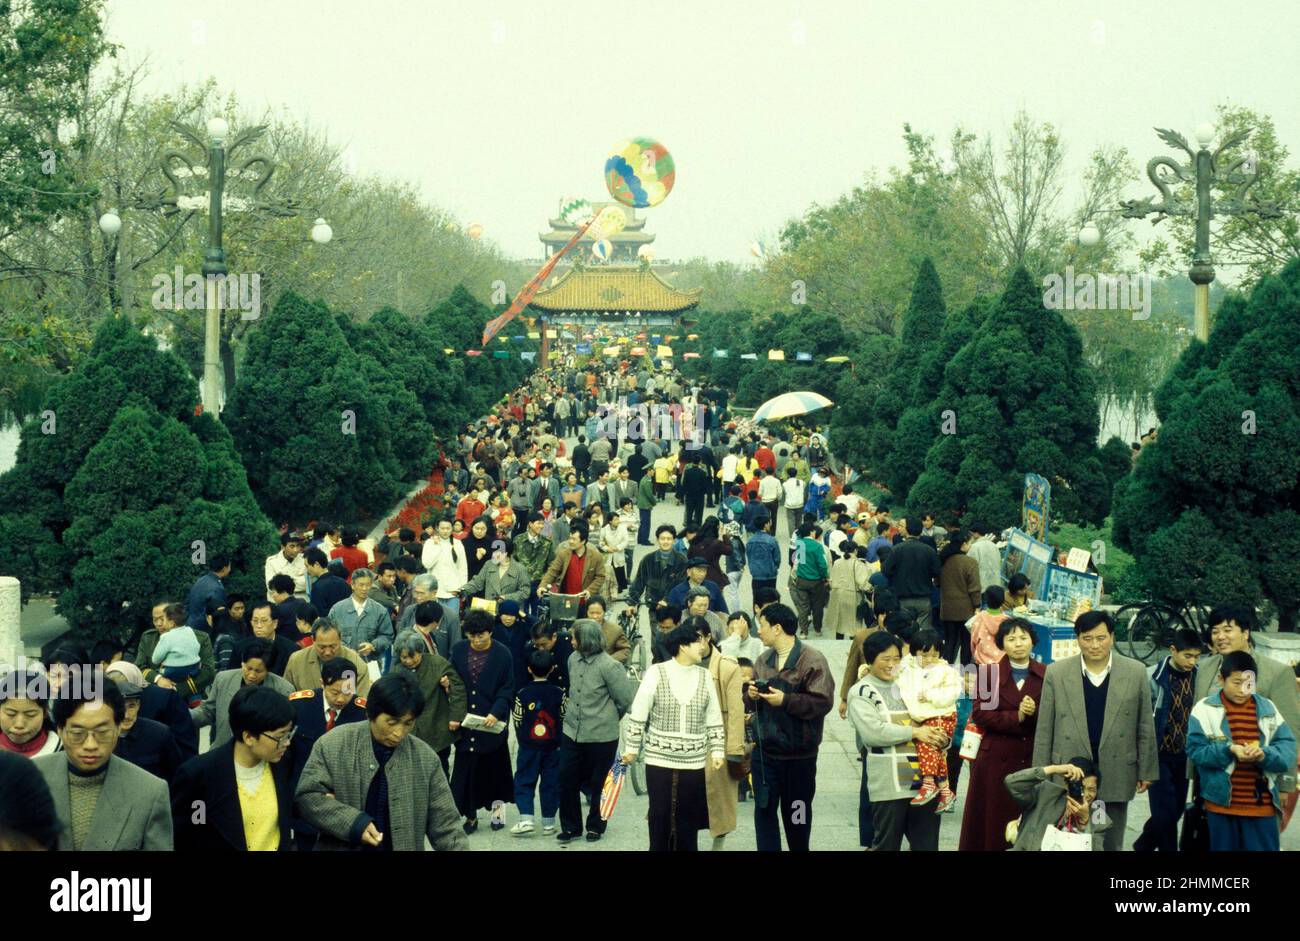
{"x": 481, "y": 776}
{"x": 514, "y": 631}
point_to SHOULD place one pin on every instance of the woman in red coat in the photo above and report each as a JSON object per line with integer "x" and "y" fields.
{"x": 1008, "y": 743}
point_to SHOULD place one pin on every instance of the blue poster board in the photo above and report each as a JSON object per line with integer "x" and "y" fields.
{"x": 1027, "y": 555}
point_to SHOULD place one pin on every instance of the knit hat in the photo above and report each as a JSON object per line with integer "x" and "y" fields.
{"x": 508, "y": 607}
{"x": 127, "y": 676}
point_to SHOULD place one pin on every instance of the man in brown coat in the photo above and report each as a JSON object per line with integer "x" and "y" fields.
{"x": 303, "y": 669}
{"x": 577, "y": 569}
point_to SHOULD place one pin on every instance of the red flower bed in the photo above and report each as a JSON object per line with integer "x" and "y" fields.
{"x": 425, "y": 504}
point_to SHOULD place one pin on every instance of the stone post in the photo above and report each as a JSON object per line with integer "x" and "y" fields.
{"x": 11, "y": 608}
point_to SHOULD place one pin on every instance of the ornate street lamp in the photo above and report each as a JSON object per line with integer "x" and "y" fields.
{"x": 177, "y": 165}
{"x": 1202, "y": 169}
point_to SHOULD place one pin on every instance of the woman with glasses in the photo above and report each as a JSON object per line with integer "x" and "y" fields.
{"x": 248, "y": 768}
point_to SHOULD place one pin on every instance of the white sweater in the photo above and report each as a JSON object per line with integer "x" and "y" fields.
{"x": 676, "y": 714}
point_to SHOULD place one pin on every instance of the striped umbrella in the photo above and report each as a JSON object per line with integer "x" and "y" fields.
{"x": 612, "y": 789}
{"x": 791, "y": 403}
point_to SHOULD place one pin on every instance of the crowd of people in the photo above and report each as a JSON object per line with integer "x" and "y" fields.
{"x": 368, "y": 699}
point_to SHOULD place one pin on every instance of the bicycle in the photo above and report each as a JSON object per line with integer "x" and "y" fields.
{"x": 1148, "y": 627}
{"x": 637, "y": 663}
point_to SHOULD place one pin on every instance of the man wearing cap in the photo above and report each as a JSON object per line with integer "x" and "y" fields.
{"x": 697, "y": 568}
{"x": 162, "y": 705}
{"x": 145, "y": 743}
{"x": 289, "y": 561}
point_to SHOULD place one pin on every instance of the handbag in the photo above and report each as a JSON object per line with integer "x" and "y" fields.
{"x": 740, "y": 770}
{"x": 1195, "y": 837}
{"x": 970, "y": 741}
{"x": 1058, "y": 840}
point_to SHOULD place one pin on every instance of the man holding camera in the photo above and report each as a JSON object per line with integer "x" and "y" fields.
{"x": 794, "y": 690}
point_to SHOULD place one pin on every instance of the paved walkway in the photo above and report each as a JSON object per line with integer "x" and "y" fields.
{"x": 839, "y": 773}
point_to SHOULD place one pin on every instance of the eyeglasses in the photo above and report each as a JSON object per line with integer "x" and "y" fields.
{"x": 283, "y": 740}
{"x": 105, "y": 735}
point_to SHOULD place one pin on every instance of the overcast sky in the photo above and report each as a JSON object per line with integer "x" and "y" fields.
{"x": 497, "y": 110}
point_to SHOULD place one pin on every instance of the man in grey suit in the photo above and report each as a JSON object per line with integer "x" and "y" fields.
{"x": 254, "y": 670}
{"x": 1233, "y": 627}
{"x": 103, "y": 802}
{"x": 1099, "y": 703}
{"x": 373, "y": 785}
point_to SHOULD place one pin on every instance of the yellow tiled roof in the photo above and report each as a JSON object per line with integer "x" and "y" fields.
{"x": 625, "y": 287}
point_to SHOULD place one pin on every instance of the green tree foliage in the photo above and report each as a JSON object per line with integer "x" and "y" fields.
{"x": 1212, "y": 507}
{"x": 145, "y": 500}
{"x": 115, "y": 481}
{"x": 308, "y": 420}
{"x": 922, "y": 325}
{"x": 1023, "y": 401}
{"x": 47, "y": 51}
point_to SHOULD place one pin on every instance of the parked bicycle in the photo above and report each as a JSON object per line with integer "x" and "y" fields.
{"x": 1147, "y": 627}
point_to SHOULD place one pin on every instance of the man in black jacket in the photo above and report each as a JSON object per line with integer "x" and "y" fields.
{"x": 581, "y": 459}
{"x": 217, "y": 798}
{"x": 143, "y": 742}
{"x": 658, "y": 571}
{"x": 913, "y": 569}
{"x": 162, "y": 705}
{"x": 695, "y": 485}
{"x": 327, "y": 589}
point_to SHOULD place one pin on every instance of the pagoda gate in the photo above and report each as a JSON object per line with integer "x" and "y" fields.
{"x": 625, "y": 291}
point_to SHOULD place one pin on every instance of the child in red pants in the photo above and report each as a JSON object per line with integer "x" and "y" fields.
{"x": 930, "y": 686}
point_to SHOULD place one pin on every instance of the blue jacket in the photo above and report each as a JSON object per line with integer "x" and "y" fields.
{"x": 1208, "y": 739}
{"x": 763, "y": 555}
{"x": 1161, "y": 699}
{"x": 677, "y": 596}
{"x": 208, "y": 588}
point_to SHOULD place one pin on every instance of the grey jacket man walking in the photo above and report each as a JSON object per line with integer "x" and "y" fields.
{"x": 215, "y": 710}
{"x": 1100, "y": 706}
{"x": 342, "y": 795}
{"x": 132, "y": 810}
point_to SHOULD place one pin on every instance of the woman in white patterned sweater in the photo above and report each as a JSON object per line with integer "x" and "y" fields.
{"x": 677, "y": 717}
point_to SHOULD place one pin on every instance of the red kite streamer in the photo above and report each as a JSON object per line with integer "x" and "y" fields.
{"x": 529, "y": 291}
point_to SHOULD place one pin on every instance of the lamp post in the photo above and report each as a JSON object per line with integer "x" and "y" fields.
{"x": 1203, "y": 171}
{"x": 216, "y": 153}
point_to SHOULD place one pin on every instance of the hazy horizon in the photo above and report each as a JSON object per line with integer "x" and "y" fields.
{"x": 496, "y": 114}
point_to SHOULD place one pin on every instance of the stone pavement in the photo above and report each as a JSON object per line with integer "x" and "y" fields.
{"x": 839, "y": 773}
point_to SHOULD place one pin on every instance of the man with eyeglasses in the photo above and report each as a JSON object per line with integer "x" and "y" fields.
{"x": 239, "y": 795}
{"x": 374, "y": 786}
{"x": 1098, "y": 705}
{"x": 104, "y": 802}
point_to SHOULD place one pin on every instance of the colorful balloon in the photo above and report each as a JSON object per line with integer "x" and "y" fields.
{"x": 611, "y": 221}
{"x": 639, "y": 172}
{"x": 647, "y": 252}
{"x": 602, "y": 250}
{"x": 474, "y": 230}
{"x": 575, "y": 210}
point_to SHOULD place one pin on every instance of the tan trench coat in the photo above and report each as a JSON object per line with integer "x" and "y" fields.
{"x": 720, "y": 789}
